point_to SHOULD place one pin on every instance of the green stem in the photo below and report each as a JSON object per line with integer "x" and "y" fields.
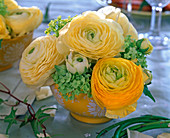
{"x": 151, "y": 117}
{"x": 148, "y": 126}
{"x": 120, "y": 128}
{"x": 0, "y": 42}
{"x": 46, "y": 15}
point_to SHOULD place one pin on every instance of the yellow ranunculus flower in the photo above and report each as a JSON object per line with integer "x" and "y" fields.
{"x": 24, "y": 20}
{"x": 93, "y": 36}
{"x": 146, "y": 44}
{"x": 38, "y": 60}
{"x": 115, "y": 14}
{"x": 4, "y": 34}
{"x": 116, "y": 85}
{"x": 11, "y": 4}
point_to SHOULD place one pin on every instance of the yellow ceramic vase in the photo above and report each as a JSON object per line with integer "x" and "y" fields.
{"x": 82, "y": 108}
{"x": 11, "y": 50}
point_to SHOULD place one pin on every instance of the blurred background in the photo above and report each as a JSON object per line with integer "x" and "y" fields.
{"x": 138, "y": 11}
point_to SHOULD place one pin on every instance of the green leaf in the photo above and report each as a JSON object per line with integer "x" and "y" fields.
{"x": 39, "y": 112}
{"x": 43, "y": 120}
{"x": 148, "y": 93}
{"x": 26, "y": 121}
{"x": 0, "y": 42}
{"x": 17, "y": 103}
{"x": 1, "y": 101}
{"x": 34, "y": 125}
{"x": 144, "y": 50}
{"x": 11, "y": 119}
{"x": 139, "y": 42}
{"x": 26, "y": 99}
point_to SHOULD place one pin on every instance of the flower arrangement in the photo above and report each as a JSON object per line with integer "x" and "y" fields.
{"x": 16, "y": 21}
{"x": 97, "y": 53}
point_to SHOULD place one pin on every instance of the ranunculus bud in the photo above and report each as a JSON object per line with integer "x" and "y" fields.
{"x": 147, "y": 76}
{"x": 147, "y": 45}
{"x": 76, "y": 63}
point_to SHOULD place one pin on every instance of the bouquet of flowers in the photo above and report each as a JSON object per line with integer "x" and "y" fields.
{"x": 97, "y": 53}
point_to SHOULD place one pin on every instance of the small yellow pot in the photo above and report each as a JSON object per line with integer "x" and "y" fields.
{"x": 11, "y": 50}
{"x": 81, "y": 108}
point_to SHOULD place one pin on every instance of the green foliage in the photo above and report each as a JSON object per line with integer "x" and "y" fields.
{"x": 26, "y": 118}
{"x": 133, "y": 51}
{"x": 72, "y": 84}
{"x": 37, "y": 123}
{"x": 34, "y": 125}
{"x": 11, "y": 119}
{"x": 0, "y": 42}
{"x": 148, "y": 93}
{"x": 36, "y": 119}
{"x": 3, "y": 8}
{"x": 25, "y": 100}
{"x": 56, "y": 25}
{"x": 1, "y": 101}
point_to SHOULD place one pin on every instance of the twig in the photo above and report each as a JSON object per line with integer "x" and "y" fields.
{"x": 29, "y": 107}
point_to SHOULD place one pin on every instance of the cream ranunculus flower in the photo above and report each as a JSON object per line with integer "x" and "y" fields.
{"x": 61, "y": 47}
{"x": 24, "y": 20}
{"x": 93, "y": 36}
{"x": 38, "y": 60}
{"x": 76, "y": 63}
{"x": 115, "y": 14}
{"x": 11, "y": 4}
{"x": 4, "y": 33}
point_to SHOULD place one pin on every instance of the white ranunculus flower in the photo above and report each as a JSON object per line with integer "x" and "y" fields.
{"x": 76, "y": 63}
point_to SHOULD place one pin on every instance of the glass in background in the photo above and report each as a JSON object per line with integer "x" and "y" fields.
{"x": 159, "y": 41}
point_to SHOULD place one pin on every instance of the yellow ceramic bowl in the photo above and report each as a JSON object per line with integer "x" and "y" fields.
{"x": 82, "y": 108}
{"x": 11, "y": 50}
